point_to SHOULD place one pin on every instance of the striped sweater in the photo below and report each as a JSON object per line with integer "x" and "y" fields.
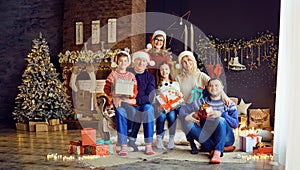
{"x": 229, "y": 113}
{"x": 115, "y": 75}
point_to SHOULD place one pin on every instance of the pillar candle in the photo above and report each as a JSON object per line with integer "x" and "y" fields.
{"x": 185, "y": 37}
{"x": 192, "y": 38}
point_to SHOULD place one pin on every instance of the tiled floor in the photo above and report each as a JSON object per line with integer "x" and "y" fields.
{"x": 28, "y": 150}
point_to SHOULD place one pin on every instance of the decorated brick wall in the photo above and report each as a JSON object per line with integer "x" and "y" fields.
{"x": 90, "y": 10}
{"x": 21, "y": 22}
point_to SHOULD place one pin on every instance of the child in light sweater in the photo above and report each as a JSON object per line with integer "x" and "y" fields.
{"x": 165, "y": 83}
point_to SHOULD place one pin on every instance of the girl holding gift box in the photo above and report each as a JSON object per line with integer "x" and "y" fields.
{"x": 157, "y": 50}
{"x": 166, "y": 84}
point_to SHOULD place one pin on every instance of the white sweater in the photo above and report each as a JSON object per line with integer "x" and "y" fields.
{"x": 187, "y": 83}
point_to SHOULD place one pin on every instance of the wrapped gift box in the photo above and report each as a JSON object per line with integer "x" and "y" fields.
{"x": 105, "y": 149}
{"x": 90, "y": 150}
{"x": 59, "y": 127}
{"x": 169, "y": 99}
{"x": 32, "y": 126}
{"x": 79, "y": 150}
{"x": 265, "y": 150}
{"x": 88, "y": 136}
{"x": 248, "y": 142}
{"x": 72, "y": 146}
{"x": 54, "y": 122}
{"x": 41, "y": 127}
{"x": 52, "y": 128}
{"x": 22, "y": 126}
{"x": 64, "y": 126}
{"x": 124, "y": 87}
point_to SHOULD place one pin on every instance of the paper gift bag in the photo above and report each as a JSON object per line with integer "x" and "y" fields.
{"x": 259, "y": 118}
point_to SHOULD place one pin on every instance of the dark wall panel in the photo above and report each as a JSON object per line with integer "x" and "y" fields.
{"x": 21, "y": 22}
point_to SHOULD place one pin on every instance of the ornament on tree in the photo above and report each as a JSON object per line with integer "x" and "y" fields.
{"x": 41, "y": 94}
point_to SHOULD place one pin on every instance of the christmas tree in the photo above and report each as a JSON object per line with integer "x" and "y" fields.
{"x": 42, "y": 95}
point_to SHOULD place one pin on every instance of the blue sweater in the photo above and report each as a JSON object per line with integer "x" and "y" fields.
{"x": 145, "y": 87}
{"x": 229, "y": 113}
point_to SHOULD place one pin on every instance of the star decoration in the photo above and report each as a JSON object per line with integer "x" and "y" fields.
{"x": 242, "y": 108}
{"x": 252, "y": 65}
{"x": 266, "y": 58}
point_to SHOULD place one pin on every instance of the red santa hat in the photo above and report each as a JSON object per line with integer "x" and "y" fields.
{"x": 156, "y": 33}
{"x": 144, "y": 55}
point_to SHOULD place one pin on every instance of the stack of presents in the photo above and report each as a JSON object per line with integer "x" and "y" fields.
{"x": 51, "y": 125}
{"x": 252, "y": 143}
{"x": 88, "y": 145}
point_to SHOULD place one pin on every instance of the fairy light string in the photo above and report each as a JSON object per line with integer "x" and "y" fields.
{"x": 263, "y": 48}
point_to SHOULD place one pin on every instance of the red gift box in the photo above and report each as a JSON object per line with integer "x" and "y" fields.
{"x": 265, "y": 150}
{"x": 72, "y": 146}
{"x": 88, "y": 136}
{"x": 106, "y": 149}
{"x": 90, "y": 150}
{"x": 202, "y": 112}
{"x": 78, "y": 150}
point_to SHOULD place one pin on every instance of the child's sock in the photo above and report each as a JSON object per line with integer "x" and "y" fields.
{"x": 148, "y": 149}
{"x": 123, "y": 151}
{"x": 171, "y": 142}
{"x": 133, "y": 145}
{"x": 159, "y": 144}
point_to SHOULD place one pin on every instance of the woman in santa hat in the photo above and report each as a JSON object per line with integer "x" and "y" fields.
{"x": 157, "y": 50}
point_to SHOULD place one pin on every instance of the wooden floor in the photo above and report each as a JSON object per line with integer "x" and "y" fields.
{"x": 28, "y": 150}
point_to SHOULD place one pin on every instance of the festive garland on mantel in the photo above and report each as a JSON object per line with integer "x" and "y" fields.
{"x": 249, "y": 52}
{"x": 75, "y": 62}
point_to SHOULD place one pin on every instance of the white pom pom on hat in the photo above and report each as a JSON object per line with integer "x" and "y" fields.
{"x": 114, "y": 63}
{"x": 149, "y": 46}
{"x": 183, "y": 54}
{"x": 144, "y": 55}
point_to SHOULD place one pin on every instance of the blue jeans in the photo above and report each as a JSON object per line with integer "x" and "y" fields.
{"x": 160, "y": 122}
{"x": 144, "y": 114}
{"x": 212, "y": 134}
{"x": 124, "y": 121}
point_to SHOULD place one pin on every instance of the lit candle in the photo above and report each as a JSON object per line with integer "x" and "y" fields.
{"x": 185, "y": 37}
{"x": 192, "y": 38}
